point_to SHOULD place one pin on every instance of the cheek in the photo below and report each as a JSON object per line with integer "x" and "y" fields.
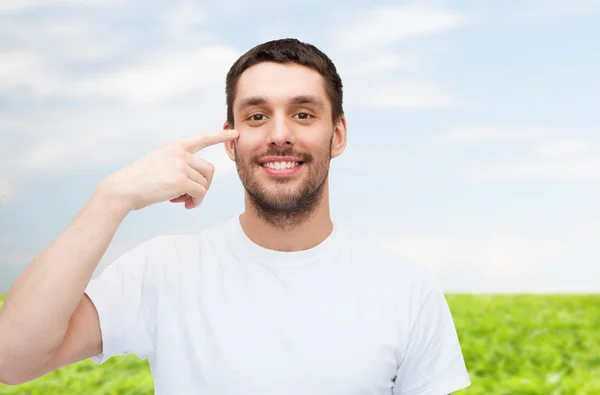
{"x": 319, "y": 143}
{"x": 246, "y": 146}
{"x": 249, "y": 139}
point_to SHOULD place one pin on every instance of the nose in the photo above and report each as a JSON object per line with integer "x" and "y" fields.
{"x": 280, "y": 133}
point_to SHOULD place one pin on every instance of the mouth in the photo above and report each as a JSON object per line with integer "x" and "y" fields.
{"x": 282, "y": 168}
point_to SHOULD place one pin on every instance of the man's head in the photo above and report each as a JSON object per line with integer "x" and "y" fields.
{"x": 284, "y": 97}
{"x": 287, "y": 51}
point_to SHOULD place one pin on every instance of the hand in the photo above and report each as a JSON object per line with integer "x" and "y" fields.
{"x": 171, "y": 173}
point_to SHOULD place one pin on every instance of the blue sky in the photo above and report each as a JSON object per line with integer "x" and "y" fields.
{"x": 474, "y": 144}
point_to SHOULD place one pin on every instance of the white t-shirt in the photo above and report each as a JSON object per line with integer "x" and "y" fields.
{"x": 216, "y": 314}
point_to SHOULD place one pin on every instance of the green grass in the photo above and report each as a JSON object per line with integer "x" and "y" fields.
{"x": 530, "y": 344}
{"x": 516, "y": 345}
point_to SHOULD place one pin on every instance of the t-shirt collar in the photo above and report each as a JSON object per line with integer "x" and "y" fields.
{"x": 246, "y": 248}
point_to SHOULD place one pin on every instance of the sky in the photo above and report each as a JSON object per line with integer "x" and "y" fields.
{"x": 473, "y": 135}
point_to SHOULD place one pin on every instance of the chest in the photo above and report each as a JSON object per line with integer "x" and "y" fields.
{"x": 264, "y": 334}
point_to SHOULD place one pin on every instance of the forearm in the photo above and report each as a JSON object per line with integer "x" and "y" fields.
{"x": 36, "y": 313}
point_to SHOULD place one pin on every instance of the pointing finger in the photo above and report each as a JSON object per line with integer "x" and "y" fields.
{"x": 205, "y": 168}
{"x": 196, "y": 143}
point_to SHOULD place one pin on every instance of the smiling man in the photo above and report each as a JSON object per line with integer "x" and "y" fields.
{"x": 276, "y": 300}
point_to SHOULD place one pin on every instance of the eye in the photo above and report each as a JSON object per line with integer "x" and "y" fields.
{"x": 303, "y": 116}
{"x": 257, "y": 117}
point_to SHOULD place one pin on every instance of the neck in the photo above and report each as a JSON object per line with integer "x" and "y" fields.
{"x": 301, "y": 235}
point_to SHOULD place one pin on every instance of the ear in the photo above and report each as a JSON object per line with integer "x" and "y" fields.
{"x": 340, "y": 134}
{"x": 229, "y": 145}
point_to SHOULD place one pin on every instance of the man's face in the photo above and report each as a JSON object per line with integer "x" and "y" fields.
{"x": 286, "y": 136}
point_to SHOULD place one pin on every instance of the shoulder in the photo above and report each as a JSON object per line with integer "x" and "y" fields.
{"x": 406, "y": 276}
{"x": 161, "y": 254}
{"x": 168, "y": 259}
{"x": 178, "y": 245}
{"x": 379, "y": 256}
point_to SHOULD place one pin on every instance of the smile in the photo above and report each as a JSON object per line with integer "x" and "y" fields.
{"x": 281, "y": 165}
{"x": 282, "y": 168}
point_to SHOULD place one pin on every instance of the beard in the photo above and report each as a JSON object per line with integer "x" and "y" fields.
{"x": 285, "y": 203}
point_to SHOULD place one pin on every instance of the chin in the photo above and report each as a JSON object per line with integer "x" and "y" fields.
{"x": 279, "y": 189}
{"x": 278, "y": 192}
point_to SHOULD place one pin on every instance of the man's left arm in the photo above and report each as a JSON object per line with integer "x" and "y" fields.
{"x": 433, "y": 363}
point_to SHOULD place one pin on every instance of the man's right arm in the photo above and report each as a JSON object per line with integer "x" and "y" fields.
{"x": 47, "y": 321}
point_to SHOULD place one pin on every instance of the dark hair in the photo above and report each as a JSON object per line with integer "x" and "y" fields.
{"x": 289, "y": 50}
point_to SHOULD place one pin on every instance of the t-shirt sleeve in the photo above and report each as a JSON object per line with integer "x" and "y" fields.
{"x": 124, "y": 295}
{"x": 433, "y": 363}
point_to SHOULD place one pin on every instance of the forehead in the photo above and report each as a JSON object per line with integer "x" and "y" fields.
{"x": 280, "y": 82}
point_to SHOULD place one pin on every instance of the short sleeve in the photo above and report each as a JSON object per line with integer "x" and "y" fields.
{"x": 433, "y": 363}
{"x": 124, "y": 295}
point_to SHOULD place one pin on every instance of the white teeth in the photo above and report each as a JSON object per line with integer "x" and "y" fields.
{"x": 280, "y": 165}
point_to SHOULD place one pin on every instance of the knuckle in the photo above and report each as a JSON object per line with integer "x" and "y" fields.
{"x": 201, "y": 190}
{"x": 182, "y": 166}
{"x": 198, "y": 201}
{"x": 176, "y": 150}
{"x": 173, "y": 147}
{"x": 181, "y": 178}
{"x": 181, "y": 153}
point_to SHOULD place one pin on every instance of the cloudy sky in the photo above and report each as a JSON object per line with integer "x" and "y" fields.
{"x": 474, "y": 139}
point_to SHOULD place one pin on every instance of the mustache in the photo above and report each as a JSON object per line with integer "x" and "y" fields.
{"x": 283, "y": 152}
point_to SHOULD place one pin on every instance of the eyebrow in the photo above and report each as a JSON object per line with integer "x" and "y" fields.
{"x": 261, "y": 101}
{"x": 305, "y": 99}
{"x": 251, "y": 101}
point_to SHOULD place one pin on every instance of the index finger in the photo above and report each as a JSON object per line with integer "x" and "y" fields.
{"x": 196, "y": 143}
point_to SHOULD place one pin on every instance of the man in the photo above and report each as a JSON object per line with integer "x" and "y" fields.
{"x": 277, "y": 300}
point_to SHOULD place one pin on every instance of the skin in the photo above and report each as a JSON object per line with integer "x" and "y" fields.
{"x": 288, "y": 213}
{"x": 48, "y": 322}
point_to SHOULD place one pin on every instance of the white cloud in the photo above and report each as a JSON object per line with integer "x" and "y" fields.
{"x": 183, "y": 17}
{"x": 486, "y": 134}
{"x": 402, "y": 95}
{"x": 385, "y": 25}
{"x": 503, "y": 262}
{"x": 7, "y": 164}
{"x": 492, "y": 263}
{"x": 372, "y": 67}
{"x": 124, "y": 108}
{"x": 110, "y": 134}
{"x": 43, "y": 64}
{"x": 384, "y": 61}
{"x": 25, "y": 70}
{"x": 162, "y": 76}
{"x": 556, "y": 169}
{"x": 73, "y": 57}
{"x": 5, "y": 190}
{"x": 543, "y": 10}
{"x": 441, "y": 254}
{"x": 66, "y": 38}
{"x": 26, "y": 5}
{"x": 563, "y": 148}
{"x": 559, "y": 160}
{"x": 157, "y": 77}
{"x": 105, "y": 137}
{"x": 363, "y": 42}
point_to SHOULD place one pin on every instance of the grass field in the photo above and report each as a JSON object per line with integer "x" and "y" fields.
{"x": 512, "y": 345}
